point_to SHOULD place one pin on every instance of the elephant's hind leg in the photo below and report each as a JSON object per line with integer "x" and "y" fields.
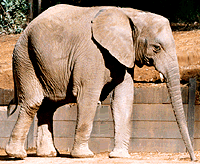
{"x": 45, "y": 145}
{"x": 15, "y": 146}
{"x": 30, "y": 97}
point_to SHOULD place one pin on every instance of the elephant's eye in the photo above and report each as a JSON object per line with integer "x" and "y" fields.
{"x": 156, "y": 48}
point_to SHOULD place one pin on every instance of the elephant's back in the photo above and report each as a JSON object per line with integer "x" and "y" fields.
{"x": 68, "y": 15}
{"x": 57, "y": 38}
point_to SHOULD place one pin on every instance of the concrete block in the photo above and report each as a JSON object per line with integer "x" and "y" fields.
{"x": 3, "y": 114}
{"x": 197, "y": 113}
{"x": 166, "y": 97}
{"x": 184, "y": 91}
{"x": 196, "y": 144}
{"x": 157, "y": 145}
{"x": 148, "y": 95}
{"x": 99, "y": 145}
{"x": 1, "y": 96}
{"x": 102, "y": 130}
{"x": 197, "y": 130}
{"x": 156, "y": 95}
{"x": 66, "y": 112}
{"x": 103, "y": 113}
{"x": 6, "y": 128}
{"x": 64, "y": 129}
{"x": 155, "y": 130}
{"x": 154, "y": 112}
{"x": 3, "y": 142}
{"x": 8, "y": 96}
{"x": 64, "y": 143}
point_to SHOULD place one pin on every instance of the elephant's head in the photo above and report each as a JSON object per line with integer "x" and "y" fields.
{"x": 142, "y": 38}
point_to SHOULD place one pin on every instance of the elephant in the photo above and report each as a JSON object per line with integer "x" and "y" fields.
{"x": 71, "y": 54}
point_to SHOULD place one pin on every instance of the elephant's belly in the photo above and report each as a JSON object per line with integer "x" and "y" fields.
{"x": 55, "y": 95}
{"x": 61, "y": 97}
{"x": 59, "y": 91}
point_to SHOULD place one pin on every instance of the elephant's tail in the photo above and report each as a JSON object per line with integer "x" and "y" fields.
{"x": 12, "y": 106}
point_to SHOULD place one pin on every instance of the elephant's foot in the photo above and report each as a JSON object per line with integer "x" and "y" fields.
{"x": 47, "y": 151}
{"x": 45, "y": 146}
{"x": 16, "y": 150}
{"x": 82, "y": 152}
{"x": 119, "y": 153}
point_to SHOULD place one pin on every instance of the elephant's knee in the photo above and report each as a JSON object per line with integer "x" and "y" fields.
{"x": 31, "y": 107}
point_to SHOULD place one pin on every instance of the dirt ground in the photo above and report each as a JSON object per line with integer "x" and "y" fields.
{"x": 136, "y": 158}
{"x": 7, "y": 43}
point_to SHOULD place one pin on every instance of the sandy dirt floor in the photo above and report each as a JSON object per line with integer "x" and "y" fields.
{"x": 136, "y": 158}
{"x": 7, "y": 43}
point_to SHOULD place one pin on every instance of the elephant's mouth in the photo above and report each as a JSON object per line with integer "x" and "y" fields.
{"x": 162, "y": 78}
{"x": 148, "y": 61}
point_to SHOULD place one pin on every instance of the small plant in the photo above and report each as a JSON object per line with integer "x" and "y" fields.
{"x": 13, "y": 16}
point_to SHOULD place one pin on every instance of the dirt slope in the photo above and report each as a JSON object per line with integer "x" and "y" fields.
{"x": 187, "y": 46}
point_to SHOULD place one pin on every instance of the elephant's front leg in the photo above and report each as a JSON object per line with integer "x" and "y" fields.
{"x": 122, "y": 104}
{"x": 87, "y": 104}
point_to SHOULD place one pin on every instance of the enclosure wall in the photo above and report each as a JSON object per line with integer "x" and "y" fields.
{"x": 153, "y": 123}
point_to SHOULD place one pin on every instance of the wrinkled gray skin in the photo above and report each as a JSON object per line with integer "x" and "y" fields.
{"x": 73, "y": 54}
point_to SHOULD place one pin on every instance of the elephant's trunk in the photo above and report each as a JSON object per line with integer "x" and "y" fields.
{"x": 173, "y": 84}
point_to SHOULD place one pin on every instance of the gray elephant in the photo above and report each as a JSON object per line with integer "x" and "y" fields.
{"x": 72, "y": 54}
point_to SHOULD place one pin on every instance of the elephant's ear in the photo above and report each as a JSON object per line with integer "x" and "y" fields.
{"x": 112, "y": 29}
